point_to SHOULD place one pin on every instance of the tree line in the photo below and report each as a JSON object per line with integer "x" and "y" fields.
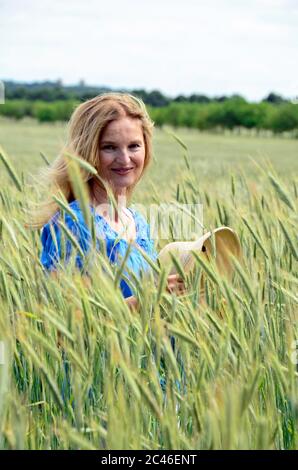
{"x": 52, "y": 101}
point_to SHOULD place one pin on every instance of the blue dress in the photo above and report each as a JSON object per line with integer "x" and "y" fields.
{"x": 115, "y": 247}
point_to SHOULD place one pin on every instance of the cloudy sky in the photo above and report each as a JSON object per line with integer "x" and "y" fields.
{"x": 177, "y": 46}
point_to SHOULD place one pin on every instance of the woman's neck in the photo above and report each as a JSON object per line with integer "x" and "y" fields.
{"x": 100, "y": 200}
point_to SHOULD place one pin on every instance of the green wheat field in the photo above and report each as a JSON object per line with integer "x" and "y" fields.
{"x": 79, "y": 370}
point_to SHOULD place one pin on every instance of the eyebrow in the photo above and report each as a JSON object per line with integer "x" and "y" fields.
{"x": 135, "y": 141}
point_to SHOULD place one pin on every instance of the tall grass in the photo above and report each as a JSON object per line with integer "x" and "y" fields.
{"x": 82, "y": 371}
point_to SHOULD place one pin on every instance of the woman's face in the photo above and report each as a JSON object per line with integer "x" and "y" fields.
{"x": 122, "y": 152}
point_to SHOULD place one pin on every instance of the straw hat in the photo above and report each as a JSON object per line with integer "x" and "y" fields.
{"x": 220, "y": 244}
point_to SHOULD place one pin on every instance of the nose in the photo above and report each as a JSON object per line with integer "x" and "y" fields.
{"x": 124, "y": 156}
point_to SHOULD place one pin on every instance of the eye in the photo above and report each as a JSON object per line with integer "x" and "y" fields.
{"x": 109, "y": 147}
{"x": 134, "y": 145}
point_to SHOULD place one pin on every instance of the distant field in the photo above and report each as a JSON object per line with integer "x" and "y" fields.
{"x": 213, "y": 157}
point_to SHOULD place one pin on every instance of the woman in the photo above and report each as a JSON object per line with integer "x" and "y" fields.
{"x": 113, "y": 133}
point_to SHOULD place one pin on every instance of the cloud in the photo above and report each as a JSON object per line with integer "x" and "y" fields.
{"x": 213, "y": 47}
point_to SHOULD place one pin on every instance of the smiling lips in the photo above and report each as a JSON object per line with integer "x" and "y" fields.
{"x": 122, "y": 171}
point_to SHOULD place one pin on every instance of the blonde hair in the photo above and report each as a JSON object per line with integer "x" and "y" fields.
{"x": 85, "y": 129}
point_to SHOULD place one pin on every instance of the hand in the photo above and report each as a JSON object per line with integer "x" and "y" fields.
{"x": 175, "y": 284}
{"x": 132, "y": 302}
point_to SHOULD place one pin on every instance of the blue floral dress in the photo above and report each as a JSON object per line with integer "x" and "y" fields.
{"x": 116, "y": 247}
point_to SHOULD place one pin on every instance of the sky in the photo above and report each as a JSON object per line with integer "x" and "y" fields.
{"x": 213, "y": 47}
